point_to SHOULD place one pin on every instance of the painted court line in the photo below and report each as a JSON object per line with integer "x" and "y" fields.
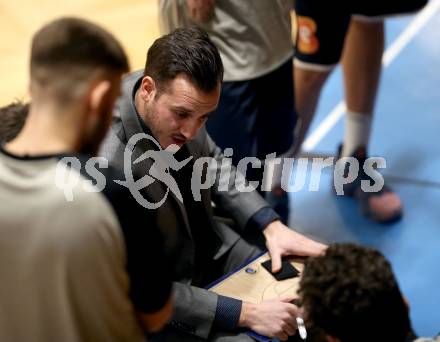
{"x": 389, "y": 55}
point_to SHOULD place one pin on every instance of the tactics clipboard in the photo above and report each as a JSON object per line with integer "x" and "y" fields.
{"x": 253, "y": 283}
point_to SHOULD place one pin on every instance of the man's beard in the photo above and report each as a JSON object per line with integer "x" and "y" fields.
{"x": 149, "y": 119}
{"x": 90, "y": 144}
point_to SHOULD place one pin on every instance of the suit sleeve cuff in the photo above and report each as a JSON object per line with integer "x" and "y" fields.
{"x": 262, "y": 218}
{"x": 227, "y": 313}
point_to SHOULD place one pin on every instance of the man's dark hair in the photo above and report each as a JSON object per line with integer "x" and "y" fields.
{"x": 352, "y": 294}
{"x": 187, "y": 51}
{"x": 12, "y": 118}
{"x": 68, "y": 51}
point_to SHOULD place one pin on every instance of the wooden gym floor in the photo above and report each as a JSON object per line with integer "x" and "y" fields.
{"x": 133, "y": 22}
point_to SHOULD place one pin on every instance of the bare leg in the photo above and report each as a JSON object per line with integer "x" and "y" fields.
{"x": 308, "y": 85}
{"x": 361, "y": 62}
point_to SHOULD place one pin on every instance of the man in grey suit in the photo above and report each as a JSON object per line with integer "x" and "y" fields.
{"x": 166, "y": 106}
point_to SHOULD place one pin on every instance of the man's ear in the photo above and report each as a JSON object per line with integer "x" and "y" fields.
{"x": 148, "y": 89}
{"x": 99, "y": 92}
{"x": 406, "y": 302}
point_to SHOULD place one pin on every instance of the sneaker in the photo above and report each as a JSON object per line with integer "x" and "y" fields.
{"x": 279, "y": 201}
{"x": 383, "y": 206}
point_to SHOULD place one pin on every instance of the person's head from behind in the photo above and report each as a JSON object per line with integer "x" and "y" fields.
{"x": 181, "y": 85}
{"x": 75, "y": 72}
{"x": 351, "y": 293}
{"x": 12, "y": 118}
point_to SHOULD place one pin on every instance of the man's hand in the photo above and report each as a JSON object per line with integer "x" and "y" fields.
{"x": 200, "y": 10}
{"x": 282, "y": 241}
{"x": 272, "y": 318}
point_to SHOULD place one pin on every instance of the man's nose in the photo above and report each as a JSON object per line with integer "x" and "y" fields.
{"x": 190, "y": 128}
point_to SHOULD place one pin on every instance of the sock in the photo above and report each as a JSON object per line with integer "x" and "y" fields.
{"x": 357, "y": 132}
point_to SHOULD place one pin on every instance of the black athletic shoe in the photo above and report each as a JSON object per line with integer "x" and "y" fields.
{"x": 383, "y": 206}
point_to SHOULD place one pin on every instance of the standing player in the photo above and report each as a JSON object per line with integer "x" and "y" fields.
{"x": 354, "y": 30}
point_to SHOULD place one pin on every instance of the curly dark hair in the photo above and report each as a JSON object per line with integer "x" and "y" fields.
{"x": 12, "y": 118}
{"x": 352, "y": 294}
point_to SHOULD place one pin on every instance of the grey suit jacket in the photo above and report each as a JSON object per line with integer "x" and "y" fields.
{"x": 194, "y": 307}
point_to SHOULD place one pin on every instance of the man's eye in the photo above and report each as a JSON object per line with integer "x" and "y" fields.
{"x": 182, "y": 115}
